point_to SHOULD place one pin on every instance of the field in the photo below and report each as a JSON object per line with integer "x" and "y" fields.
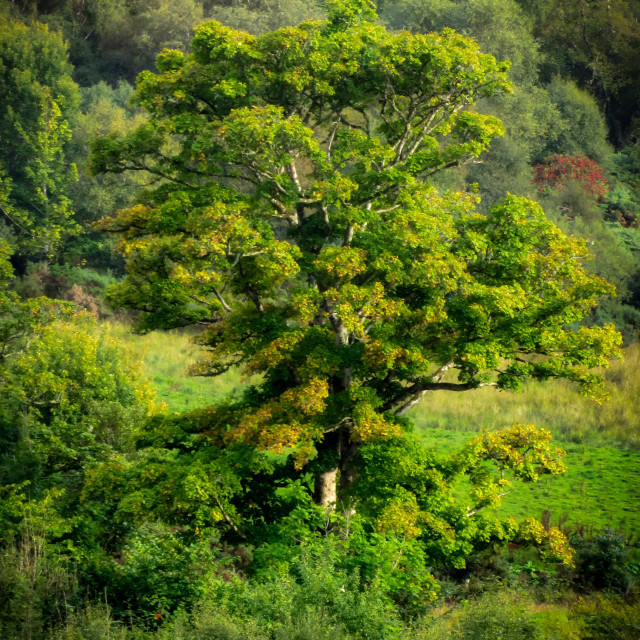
{"x": 166, "y": 357}
{"x": 600, "y": 489}
{"x": 555, "y": 405}
{"x": 602, "y": 485}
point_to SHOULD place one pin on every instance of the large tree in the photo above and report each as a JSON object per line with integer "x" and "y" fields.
{"x": 290, "y": 211}
{"x": 38, "y": 98}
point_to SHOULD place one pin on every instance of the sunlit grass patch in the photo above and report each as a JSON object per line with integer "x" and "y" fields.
{"x": 599, "y": 490}
{"x": 556, "y": 405}
{"x": 166, "y": 357}
{"x": 601, "y": 487}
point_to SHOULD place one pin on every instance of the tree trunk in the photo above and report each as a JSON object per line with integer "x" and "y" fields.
{"x": 339, "y": 472}
{"x": 348, "y": 471}
{"x": 326, "y": 480}
{"x": 327, "y": 488}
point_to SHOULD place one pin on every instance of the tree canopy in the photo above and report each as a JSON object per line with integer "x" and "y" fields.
{"x": 38, "y": 97}
{"x": 290, "y": 210}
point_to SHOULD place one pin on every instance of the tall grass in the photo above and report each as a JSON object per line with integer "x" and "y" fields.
{"x": 166, "y": 357}
{"x": 556, "y": 405}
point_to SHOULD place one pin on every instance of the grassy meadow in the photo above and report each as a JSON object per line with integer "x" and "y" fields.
{"x": 166, "y": 357}
{"x": 555, "y": 405}
{"x": 600, "y": 489}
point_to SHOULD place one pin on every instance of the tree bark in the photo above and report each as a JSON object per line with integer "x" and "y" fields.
{"x": 326, "y": 481}
{"x": 327, "y": 488}
{"x": 334, "y": 481}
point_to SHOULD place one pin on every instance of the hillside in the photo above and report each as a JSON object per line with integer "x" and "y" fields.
{"x": 319, "y": 319}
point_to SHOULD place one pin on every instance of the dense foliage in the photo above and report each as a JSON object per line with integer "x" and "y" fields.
{"x": 349, "y": 211}
{"x": 557, "y": 171}
{"x": 312, "y": 243}
{"x": 38, "y": 95}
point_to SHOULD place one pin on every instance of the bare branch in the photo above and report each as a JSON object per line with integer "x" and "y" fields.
{"x": 472, "y": 512}
{"x": 331, "y": 139}
{"x": 293, "y": 174}
{"x": 227, "y": 519}
{"x": 221, "y": 300}
{"x": 348, "y": 235}
{"x": 411, "y": 395}
{"x": 389, "y": 209}
{"x": 17, "y": 224}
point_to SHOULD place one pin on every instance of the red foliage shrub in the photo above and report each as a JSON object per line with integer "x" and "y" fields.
{"x": 558, "y": 170}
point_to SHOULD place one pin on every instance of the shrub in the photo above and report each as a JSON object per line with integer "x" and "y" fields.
{"x": 559, "y": 170}
{"x": 601, "y": 560}
{"x": 499, "y": 616}
{"x": 604, "y": 619}
{"x": 495, "y": 616}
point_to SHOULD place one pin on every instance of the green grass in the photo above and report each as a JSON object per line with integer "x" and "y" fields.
{"x": 554, "y": 405}
{"x": 602, "y": 485}
{"x": 600, "y": 489}
{"x": 166, "y": 357}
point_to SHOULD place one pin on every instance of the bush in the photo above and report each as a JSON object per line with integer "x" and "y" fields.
{"x": 94, "y": 622}
{"x": 606, "y": 619}
{"x": 316, "y": 598}
{"x": 492, "y": 617}
{"x": 38, "y": 584}
{"x": 156, "y": 574}
{"x": 601, "y": 561}
{"x": 495, "y": 616}
{"x": 560, "y": 170}
{"x": 72, "y": 398}
{"x": 581, "y": 128}
{"x": 83, "y": 286}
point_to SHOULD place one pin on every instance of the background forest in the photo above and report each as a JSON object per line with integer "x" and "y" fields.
{"x": 128, "y": 511}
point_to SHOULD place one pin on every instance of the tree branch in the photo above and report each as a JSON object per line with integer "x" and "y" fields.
{"x": 472, "y": 512}
{"x": 221, "y": 300}
{"x": 411, "y": 395}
